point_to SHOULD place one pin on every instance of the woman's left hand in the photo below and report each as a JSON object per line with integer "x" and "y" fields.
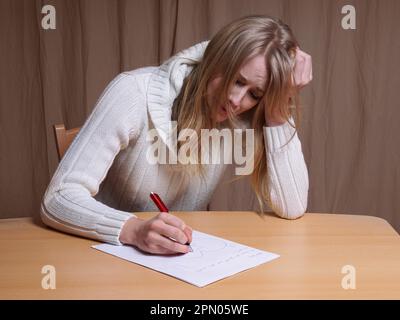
{"x": 302, "y": 73}
{"x": 302, "y": 68}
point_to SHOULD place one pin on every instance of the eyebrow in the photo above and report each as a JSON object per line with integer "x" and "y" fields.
{"x": 257, "y": 88}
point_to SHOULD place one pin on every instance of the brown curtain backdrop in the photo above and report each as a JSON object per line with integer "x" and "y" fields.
{"x": 351, "y": 115}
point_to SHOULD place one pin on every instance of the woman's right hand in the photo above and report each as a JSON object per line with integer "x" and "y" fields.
{"x": 154, "y": 235}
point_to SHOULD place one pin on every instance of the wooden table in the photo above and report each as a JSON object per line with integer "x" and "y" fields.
{"x": 313, "y": 251}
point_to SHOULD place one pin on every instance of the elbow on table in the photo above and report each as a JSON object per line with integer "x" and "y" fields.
{"x": 54, "y": 210}
{"x": 50, "y": 213}
{"x": 45, "y": 213}
{"x": 294, "y": 215}
{"x": 293, "y": 212}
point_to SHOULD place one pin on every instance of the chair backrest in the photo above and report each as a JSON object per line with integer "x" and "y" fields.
{"x": 64, "y": 138}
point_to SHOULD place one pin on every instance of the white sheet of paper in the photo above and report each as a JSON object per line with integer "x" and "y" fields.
{"x": 212, "y": 259}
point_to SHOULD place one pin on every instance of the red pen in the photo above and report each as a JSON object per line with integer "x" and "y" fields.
{"x": 158, "y": 202}
{"x": 162, "y": 207}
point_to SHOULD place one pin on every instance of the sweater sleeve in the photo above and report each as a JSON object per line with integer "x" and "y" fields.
{"x": 68, "y": 204}
{"x": 287, "y": 172}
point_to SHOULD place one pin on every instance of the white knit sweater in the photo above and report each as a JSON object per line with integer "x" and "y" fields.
{"x": 105, "y": 177}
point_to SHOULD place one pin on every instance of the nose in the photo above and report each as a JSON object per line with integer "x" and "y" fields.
{"x": 235, "y": 98}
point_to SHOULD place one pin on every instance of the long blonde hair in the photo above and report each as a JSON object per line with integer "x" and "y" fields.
{"x": 226, "y": 52}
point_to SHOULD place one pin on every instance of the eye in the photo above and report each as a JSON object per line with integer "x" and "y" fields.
{"x": 254, "y": 96}
{"x": 239, "y": 83}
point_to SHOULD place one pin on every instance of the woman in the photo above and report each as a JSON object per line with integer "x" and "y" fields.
{"x": 251, "y": 69}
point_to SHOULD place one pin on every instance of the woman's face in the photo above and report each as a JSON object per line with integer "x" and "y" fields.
{"x": 245, "y": 93}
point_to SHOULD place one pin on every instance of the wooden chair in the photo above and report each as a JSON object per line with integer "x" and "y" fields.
{"x": 64, "y": 138}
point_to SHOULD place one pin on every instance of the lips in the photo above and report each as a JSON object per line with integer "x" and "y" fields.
{"x": 222, "y": 113}
{"x": 224, "y": 110}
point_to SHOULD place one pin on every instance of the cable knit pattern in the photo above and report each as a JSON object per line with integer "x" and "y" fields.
{"x": 104, "y": 176}
{"x": 288, "y": 176}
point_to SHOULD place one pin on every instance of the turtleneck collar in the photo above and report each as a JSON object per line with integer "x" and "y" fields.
{"x": 164, "y": 86}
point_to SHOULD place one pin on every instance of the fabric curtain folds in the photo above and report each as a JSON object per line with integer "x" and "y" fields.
{"x": 349, "y": 129}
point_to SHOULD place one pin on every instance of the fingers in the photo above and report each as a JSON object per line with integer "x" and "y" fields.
{"x": 172, "y": 220}
{"x": 170, "y": 246}
{"x": 154, "y": 242}
{"x": 299, "y": 68}
{"x": 188, "y": 232}
{"x": 161, "y": 247}
{"x": 163, "y": 234}
{"x": 169, "y": 231}
{"x": 307, "y": 71}
{"x": 303, "y": 68}
{"x": 310, "y": 70}
{"x": 178, "y": 232}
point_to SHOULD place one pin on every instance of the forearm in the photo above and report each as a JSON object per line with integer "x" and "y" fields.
{"x": 74, "y": 212}
{"x": 287, "y": 172}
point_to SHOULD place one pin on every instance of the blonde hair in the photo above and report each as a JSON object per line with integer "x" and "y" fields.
{"x": 234, "y": 44}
